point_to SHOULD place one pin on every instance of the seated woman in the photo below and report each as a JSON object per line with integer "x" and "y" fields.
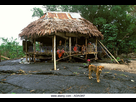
{"x": 60, "y": 50}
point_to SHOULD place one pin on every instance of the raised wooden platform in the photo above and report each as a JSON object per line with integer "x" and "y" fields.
{"x": 48, "y": 55}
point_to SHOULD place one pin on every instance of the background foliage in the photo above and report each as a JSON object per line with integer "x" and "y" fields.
{"x": 116, "y": 22}
{"x": 11, "y": 48}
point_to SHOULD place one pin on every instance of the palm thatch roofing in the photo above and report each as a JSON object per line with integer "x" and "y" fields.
{"x": 55, "y": 22}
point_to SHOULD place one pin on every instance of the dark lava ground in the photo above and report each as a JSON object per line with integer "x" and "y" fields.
{"x": 70, "y": 78}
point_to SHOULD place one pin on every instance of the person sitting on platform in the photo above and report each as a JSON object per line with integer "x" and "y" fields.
{"x": 60, "y": 50}
{"x": 83, "y": 49}
{"x": 75, "y": 48}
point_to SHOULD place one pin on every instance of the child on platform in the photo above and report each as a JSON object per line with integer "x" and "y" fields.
{"x": 60, "y": 50}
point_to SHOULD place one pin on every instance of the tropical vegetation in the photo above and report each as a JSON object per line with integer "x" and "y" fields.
{"x": 11, "y": 48}
{"x": 116, "y": 22}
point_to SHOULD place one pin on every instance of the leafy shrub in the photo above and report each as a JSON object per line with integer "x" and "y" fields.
{"x": 11, "y": 48}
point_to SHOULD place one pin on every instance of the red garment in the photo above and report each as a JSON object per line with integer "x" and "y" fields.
{"x": 60, "y": 53}
{"x": 75, "y": 48}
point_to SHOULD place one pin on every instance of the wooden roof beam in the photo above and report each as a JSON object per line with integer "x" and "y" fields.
{"x": 63, "y": 35}
{"x": 76, "y": 35}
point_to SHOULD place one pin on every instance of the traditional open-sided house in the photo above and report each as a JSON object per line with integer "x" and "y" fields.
{"x": 55, "y": 26}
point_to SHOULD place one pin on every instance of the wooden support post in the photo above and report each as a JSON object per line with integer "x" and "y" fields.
{"x": 52, "y": 48}
{"x": 34, "y": 51}
{"x": 29, "y": 58}
{"x": 96, "y": 50}
{"x": 26, "y": 49}
{"x": 86, "y": 47}
{"x": 108, "y": 52}
{"x": 32, "y": 57}
{"x": 70, "y": 48}
{"x": 54, "y": 52}
{"x": 65, "y": 44}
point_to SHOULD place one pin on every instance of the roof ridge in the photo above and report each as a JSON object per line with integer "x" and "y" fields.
{"x": 60, "y": 12}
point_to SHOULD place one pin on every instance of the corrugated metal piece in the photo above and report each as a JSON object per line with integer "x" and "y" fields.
{"x": 62, "y": 15}
{"x": 75, "y": 15}
{"x": 52, "y": 15}
{"x": 69, "y": 16}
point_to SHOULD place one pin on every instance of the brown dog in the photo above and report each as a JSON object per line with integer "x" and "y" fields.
{"x": 97, "y": 70}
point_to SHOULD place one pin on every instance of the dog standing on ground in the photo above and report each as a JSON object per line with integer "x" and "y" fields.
{"x": 97, "y": 70}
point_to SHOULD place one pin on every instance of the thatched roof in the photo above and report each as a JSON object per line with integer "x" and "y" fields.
{"x": 54, "y": 22}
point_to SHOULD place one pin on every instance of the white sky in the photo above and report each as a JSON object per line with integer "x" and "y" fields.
{"x": 13, "y": 18}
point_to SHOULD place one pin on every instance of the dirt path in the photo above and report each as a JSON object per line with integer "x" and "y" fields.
{"x": 131, "y": 67}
